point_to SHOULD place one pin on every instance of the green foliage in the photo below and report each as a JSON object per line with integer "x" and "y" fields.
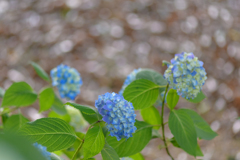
{"x": 15, "y": 122}
{"x": 13, "y": 147}
{"x": 165, "y": 63}
{"x": 19, "y": 94}
{"x": 199, "y": 98}
{"x": 152, "y": 116}
{"x": 182, "y": 127}
{"x": 94, "y": 142}
{"x": 58, "y": 106}
{"x": 199, "y": 151}
{"x": 55, "y": 157}
{"x": 54, "y": 133}
{"x": 40, "y": 71}
{"x": 204, "y": 131}
{"x": 137, "y": 156}
{"x": 142, "y": 93}
{"x": 46, "y": 99}
{"x": 108, "y": 153}
{"x": 65, "y": 117}
{"x": 172, "y": 98}
{"x": 89, "y": 114}
{"x": 134, "y": 144}
{"x": 2, "y": 92}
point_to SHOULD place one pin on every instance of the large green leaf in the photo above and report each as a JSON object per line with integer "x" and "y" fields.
{"x": 133, "y": 144}
{"x": 152, "y": 116}
{"x": 142, "y": 93}
{"x": 199, "y": 98}
{"x": 137, "y": 156}
{"x": 204, "y": 131}
{"x": 46, "y": 99}
{"x": 40, "y": 71}
{"x": 58, "y": 106}
{"x": 182, "y": 127}
{"x": 54, "y": 133}
{"x": 89, "y": 114}
{"x": 15, "y": 122}
{"x": 108, "y": 153}
{"x": 172, "y": 98}
{"x": 19, "y": 94}
{"x": 14, "y": 147}
{"x": 93, "y": 142}
{"x": 2, "y": 92}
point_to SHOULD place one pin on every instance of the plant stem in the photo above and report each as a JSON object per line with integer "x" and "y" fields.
{"x": 80, "y": 146}
{"x": 163, "y": 134}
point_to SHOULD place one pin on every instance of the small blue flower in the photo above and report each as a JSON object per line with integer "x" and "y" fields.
{"x": 130, "y": 78}
{"x": 43, "y": 150}
{"x": 67, "y": 80}
{"x": 186, "y": 74}
{"x": 118, "y": 114}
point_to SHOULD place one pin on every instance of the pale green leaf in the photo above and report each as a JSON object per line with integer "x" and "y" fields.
{"x": 137, "y": 156}
{"x": 2, "y": 92}
{"x": 133, "y": 144}
{"x": 40, "y": 71}
{"x": 58, "y": 106}
{"x": 54, "y": 133}
{"x": 19, "y": 94}
{"x": 152, "y": 116}
{"x": 93, "y": 142}
{"x": 46, "y": 99}
{"x": 182, "y": 127}
{"x": 141, "y": 93}
{"x": 172, "y": 98}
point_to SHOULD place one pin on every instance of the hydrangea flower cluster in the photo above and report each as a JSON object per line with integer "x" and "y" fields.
{"x": 118, "y": 114}
{"x": 67, "y": 80}
{"x": 131, "y": 77}
{"x": 186, "y": 74}
{"x": 43, "y": 150}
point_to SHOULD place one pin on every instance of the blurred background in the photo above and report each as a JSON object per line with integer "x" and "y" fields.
{"x": 106, "y": 39}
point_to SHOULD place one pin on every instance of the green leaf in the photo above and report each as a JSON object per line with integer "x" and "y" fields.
{"x": 199, "y": 151}
{"x": 152, "y": 116}
{"x": 15, "y": 122}
{"x": 203, "y": 129}
{"x": 172, "y": 98}
{"x": 94, "y": 142}
{"x": 108, "y": 153}
{"x": 14, "y": 147}
{"x": 137, "y": 156}
{"x": 141, "y": 93}
{"x": 153, "y": 76}
{"x": 19, "y": 94}
{"x": 58, "y": 106}
{"x": 46, "y": 99}
{"x": 54, "y": 133}
{"x": 89, "y": 114}
{"x": 182, "y": 127}
{"x": 2, "y": 92}
{"x": 165, "y": 63}
{"x": 133, "y": 144}
{"x": 199, "y": 98}
{"x": 40, "y": 71}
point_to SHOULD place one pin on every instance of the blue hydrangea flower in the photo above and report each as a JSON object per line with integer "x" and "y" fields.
{"x": 43, "y": 150}
{"x": 130, "y": 78}
{"x": 118, "y": 114}
{"x": 186, "y": 74}
{"x": 67, "y": 80}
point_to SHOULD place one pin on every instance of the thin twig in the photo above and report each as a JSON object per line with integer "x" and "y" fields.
{"x": 163, "y": 134}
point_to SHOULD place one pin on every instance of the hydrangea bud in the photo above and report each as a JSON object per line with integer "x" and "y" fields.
{"x": 186, "y": 74}
{"x": 130, "y": 78}
{"x": 67, "y": 80}
{"x": 43, "y": 150}
{"x": 118, "y": 114}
